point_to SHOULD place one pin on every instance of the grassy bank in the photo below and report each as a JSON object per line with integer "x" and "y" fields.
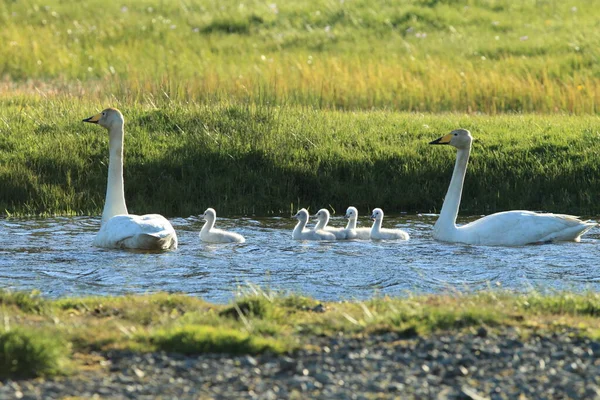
{"x": 414, "y": 55}
{"x": 43, "y": 337}
{"x": 242, "y": 159}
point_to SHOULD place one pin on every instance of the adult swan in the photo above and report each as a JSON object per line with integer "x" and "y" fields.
{"x": 119, "y": 229}
{"x": 509, "y": 228}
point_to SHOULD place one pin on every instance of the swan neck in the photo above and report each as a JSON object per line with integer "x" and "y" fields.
{"x": 351, "y": 223}
{"x": 208, "y": 225}
{"x": 321, "y": 224}
{"x": 452, "y": 201}
{"x": 115, "y": 191}
{"x": 299, "y": 226}
{"x": 376, "y": 225}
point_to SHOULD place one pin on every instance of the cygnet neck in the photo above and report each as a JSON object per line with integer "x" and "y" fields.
{"x": 321, "y": 223}
{"x": 300, "y": 225}
{"x": 377, "y": 224}
{"x": 351, "y": 223}
{"x": 209, "y": 224}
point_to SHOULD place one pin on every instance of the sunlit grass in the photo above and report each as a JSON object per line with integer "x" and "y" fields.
{"x": 251, "y": 159}
{"x": 50, "y": 339}
{"x": 484, "y": 55}
{"x": 26, "y": 353}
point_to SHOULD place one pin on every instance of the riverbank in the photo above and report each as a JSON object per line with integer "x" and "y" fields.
{"x": 262, "y": 160}
{"x": 498, "y": 363}
{"x": 73, "y": 337}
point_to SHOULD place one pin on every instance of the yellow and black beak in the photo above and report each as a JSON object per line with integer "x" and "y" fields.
{"x": 443, "y": 140}
{"x": 94, "y": 119}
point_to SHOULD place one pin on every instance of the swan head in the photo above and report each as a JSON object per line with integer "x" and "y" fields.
{"x": 108, "y": 118}
{"x": 302, "y": 215}
{"x": 351, "y": 213}
{"x": 322, "y": 214}
{"x": 377, "y": 214}
{"x": 209, "y": 214}
{"x": 459, "y": 138}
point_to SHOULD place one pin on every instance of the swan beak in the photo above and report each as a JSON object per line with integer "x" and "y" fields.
{"x": 94, "y": 119}
{"x": 372, "y": 218}
{"x": 443, "y": 140}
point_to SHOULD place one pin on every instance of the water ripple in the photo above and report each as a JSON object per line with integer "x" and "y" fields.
{"x": 55, "y": 256}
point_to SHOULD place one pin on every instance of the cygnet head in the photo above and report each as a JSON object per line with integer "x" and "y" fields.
{"x": 108, "y": 118}
{"x": 377, "y": 214}
{"x": 351, "y": 212}
{"x": 322, "y": 214}
{"x": 459, "y": 138}
{"x": 302, "y": 215}
{"x": 209, "y": 215}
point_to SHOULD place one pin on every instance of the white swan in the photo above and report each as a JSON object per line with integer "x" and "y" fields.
{"x": 379, "y": 233}
{"x": 352, "y": 232}
{"x": 509, "y": 228}
{"x": 208, "y": 234}
{"x": 301, "y": 233}
{"x": 322, "y": 221}
{"x": 119, "y": 229}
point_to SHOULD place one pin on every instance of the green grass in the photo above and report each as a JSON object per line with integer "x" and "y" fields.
{"x": 56, "y": 338}
{"x": 260, "y": 108}
{"x": 199, "y": 339}
{"x": 26, "y": 353}
{"x": 243, "y": 159}
{"x": 415, "y": 55}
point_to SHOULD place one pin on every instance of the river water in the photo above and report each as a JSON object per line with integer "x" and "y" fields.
{"x": 55, "y": 256}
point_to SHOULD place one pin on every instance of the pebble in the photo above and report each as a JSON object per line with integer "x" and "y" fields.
{"x": 499, "y": 365}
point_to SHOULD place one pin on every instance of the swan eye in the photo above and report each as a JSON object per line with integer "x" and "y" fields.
{"x": 103, "y": 114}
{"x": 456, "y": 134}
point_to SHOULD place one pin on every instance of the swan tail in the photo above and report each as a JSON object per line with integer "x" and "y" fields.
{"x": 572, "y": 233}
{"x": 154, "y": 241}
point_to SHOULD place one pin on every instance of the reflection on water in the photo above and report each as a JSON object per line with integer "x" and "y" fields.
{"x": 55, "y": 256}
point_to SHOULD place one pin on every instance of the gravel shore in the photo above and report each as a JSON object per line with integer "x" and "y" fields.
{"x": 495, "y": 364}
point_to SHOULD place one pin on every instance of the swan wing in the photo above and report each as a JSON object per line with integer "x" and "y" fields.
{"x": 308, "y": 234}
{"x": 145, "y": 232}
{"x": 390, "y": 234}
{"x": 221, "y": 236}
{"x": 515, "y": 228}
{"x": 340, "y": 233}
{"x": 363, "y": 233}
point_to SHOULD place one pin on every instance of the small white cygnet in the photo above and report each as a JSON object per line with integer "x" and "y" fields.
{"x": 211, "y": 235}
{"x": 379, "y": 233}
{"x": 301, "y": 233}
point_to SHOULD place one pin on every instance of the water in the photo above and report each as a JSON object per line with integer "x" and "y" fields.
{"x": 55, "y": 256}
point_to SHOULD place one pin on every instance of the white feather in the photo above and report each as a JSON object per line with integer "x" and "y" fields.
{"x": 119, "y": 229}
{"x": 509, "y": 228}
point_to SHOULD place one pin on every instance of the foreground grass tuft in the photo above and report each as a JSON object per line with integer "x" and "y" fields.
{"x": 206, "y": 339}
{"x": 28, "y": 302}
{"x": 26, "y": 353}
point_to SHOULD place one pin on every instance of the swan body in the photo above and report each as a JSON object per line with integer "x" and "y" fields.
{"x": 508, "y": 228}
{"x": 379, "y": 233}
{"x": 301, "y": 233}
{"x": 352, "y": 232}
{"x": 211, "y": 235}
{"x": 143, "y": 232}
{"x": 119, "y": 229}
{"x": 322, "y": 221}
